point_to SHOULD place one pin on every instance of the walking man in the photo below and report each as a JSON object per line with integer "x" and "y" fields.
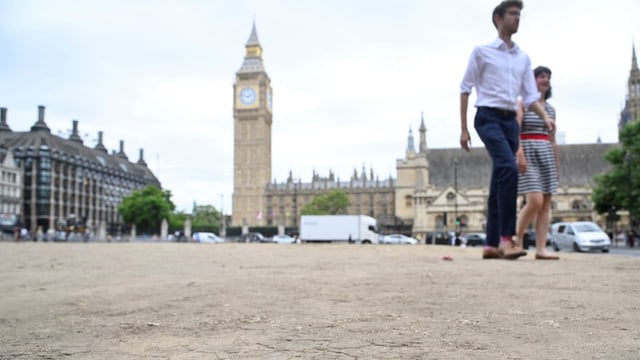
{"x": 501, "y": 72}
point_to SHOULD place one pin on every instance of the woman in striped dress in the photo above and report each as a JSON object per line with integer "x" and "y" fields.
{"x": 537, "y": 159}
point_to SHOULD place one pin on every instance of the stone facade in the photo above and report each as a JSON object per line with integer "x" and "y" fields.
{"x": 252, "y": 102}
{"x": 10, "y": 185}
{"x": 631, "y": 111}
{"x": 457, "y": 187}
{"x": 368, "y": 195}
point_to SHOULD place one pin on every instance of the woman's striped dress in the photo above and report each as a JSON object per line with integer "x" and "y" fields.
{"x": 541, "y": 175}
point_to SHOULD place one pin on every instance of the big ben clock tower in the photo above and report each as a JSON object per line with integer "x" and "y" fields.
{"x": 252, "y": 136}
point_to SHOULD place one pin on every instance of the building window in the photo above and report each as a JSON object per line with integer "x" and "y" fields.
{"x": 579, "y": 204}
{"x": 408, "y": 201}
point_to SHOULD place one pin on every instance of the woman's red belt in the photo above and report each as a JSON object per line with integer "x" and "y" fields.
{"x": 534, "y": 137}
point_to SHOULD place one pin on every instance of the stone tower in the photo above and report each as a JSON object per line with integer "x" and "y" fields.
{"x": 413, "y": 180}
{"x": 252, "y": 96}
{"x": 631, "y": 111}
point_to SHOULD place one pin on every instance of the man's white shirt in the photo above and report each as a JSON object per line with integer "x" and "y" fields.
{"x": 500, "y": 75}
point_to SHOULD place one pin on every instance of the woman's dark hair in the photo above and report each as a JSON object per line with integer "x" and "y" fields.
{"x": 540, "y": 70}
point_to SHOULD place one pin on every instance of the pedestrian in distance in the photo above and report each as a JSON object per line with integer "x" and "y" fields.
{"x": 537, "y": 160}
{"x": 501, "y": 72}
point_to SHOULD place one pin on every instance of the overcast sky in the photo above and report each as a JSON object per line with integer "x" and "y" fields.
{"x": 349, "y": 77}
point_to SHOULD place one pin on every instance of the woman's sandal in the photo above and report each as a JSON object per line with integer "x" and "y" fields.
{"x": 547, "y": 257}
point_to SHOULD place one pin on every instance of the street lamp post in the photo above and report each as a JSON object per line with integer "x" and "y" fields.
{"x": 223, "y": 230}
{"x": 455, "y": 198}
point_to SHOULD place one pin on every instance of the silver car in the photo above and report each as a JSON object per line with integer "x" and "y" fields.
{"x": 579, "y": 236}
{"x": 207, "y": 237}
{"x": 398, "y": 239}
{"x": 283, "y": 239}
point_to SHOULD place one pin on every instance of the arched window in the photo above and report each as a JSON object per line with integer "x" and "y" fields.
{"x": 576, "y": 204}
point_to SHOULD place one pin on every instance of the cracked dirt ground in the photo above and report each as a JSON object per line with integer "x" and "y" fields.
{"x": 267, "y": 301}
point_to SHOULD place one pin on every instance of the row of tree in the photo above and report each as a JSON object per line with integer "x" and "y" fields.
{"x": 147, "y": 207}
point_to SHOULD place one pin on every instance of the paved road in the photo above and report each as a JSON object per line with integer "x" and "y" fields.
{"x": 616, "y": 251}
{"x": 625, "y": 251}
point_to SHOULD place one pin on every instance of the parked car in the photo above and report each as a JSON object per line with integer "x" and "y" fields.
{"x": 255, "y": 237}
{"x": 579, "y": 236}
{"x": 474, "y": 239}
{"x": 440, "y": 238}
{"x": 529, "y": 239}
{"x": 207, "y": 237}
{"x": 283, "y": 239}
{"x": 398, "y": 239}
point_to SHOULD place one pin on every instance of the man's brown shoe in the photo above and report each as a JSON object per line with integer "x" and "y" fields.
{"x": 511, "y": 251}
{"x": 491, "y": 253}
{"x": 547, "y": 257}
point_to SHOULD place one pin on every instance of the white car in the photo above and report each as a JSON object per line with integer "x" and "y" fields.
{"x": 579, "y": 236}
{"x": 283, "y": 239}
{"x": 207, "y": 237}
{"x": 398, "y": 239}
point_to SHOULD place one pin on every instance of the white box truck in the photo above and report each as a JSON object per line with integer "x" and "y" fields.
{"x": 339, "y": 228}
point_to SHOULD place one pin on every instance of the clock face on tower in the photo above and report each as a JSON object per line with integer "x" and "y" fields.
{"x": 248, "y": 96}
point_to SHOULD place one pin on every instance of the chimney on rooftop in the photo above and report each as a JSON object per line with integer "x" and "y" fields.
{"x": 40, "y": 125}
{"x": 100, "y": 145}
{"x": 121, "y": 154}
{"x": 3, "y": 120}
{"x": 74, "y": 134}
{"x": 141, "y": 159}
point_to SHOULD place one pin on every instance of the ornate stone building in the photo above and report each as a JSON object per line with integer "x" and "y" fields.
{"x": 10, "y": 183}
{"x": 631, "y": 111}
{"x": 368, "y": 195}
{"x": 10, "y": 186}
{"x": 252, "y": 100}
{"x": 452, "y": 183}
{"x": 66, "y": 182}
{"x": 435, "y": 189}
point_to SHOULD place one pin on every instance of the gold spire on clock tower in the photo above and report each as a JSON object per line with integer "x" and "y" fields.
{"x": 252, "y": 96}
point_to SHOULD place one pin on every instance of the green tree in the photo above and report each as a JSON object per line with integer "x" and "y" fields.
{"x": 332, "y": 203}
{"x": 177, "y": 220}
{"x": 147, "y": 207}
{"x": 206, "y": 216}
{"x": 620, "y": 187}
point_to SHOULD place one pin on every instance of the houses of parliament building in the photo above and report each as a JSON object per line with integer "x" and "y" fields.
{"x": 435, "y": 189}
